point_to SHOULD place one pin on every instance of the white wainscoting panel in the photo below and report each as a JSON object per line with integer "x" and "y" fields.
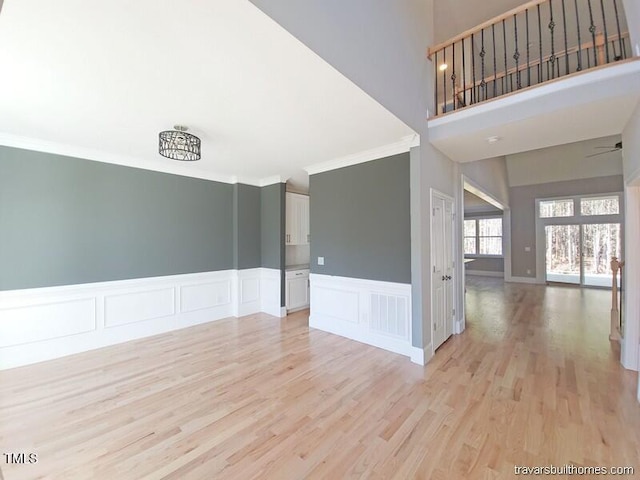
{"x": 206, "y": 295}
{"x": 372, "y": 312}
{"x": 28, "y": 323}
{"x": 131, "y": 307}
{"x": 45, "y": 323}
{"x": 270, "y": 287}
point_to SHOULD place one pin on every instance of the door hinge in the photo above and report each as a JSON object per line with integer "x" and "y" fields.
{"x": 435, "y": 327}
{"x": 433, "y": 212}
{"x": 454, "y": 312}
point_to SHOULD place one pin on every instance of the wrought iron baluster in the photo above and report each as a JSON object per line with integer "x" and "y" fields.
{"x": 552, "y": 27}
{"x": 540, "y": 65}
{"x": 474, "y": 97}
{"x": 504, "y": 45}
{"x": 606, "y": 36}
{"x": 588, "y": 58}
{"x": 435, "y": 90}
{"x": 493, "y": 33}
{"x": 516, "y": 54}
{"x": 444, "y": 79}
{"x": 454, "y": 96}
{"x": 575, "y": 2}
{"x": 592, "y": 29}
{"x": 526, "y": 13}
{"x": 566, "y": 43}
{"x": 483, "y": 84}
{"x": 464, "y": 77}
{"x": 623, "y": 52}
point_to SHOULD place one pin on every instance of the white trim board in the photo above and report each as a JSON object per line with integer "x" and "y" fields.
{"x": 383, "y": 151}
{"x": 531, "y": 280}
{"x": 46, "y": 323}
{"x": 373, "y": 312}
{"x": 483, "y": 273}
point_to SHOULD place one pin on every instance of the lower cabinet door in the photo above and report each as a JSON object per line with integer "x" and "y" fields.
{"x": 297, "y": 292}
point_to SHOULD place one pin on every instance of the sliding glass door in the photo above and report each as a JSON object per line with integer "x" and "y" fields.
{"x": 563, "y": 253}
{"x": 581, "y": 254}
{"x": 581, "y": 235}
{"x": 600, "y": 242}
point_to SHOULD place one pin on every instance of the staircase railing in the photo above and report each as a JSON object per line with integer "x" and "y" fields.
{"x": 616, "y": 302}
{"x": 537, "y": 42}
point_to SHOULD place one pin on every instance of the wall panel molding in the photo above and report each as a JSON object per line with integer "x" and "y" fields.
{"x": 372, "y": 312}
{"x": 46, "y": 323}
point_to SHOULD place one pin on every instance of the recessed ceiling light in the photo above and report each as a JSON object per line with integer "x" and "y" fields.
{"x": 493, "y": 139}
{"x": 443, "y": 67}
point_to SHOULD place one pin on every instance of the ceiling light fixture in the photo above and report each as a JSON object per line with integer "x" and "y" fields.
{"x": 177, "y": 144}
{"x": 443, "y": 67}
{"x": 493, "y": 139}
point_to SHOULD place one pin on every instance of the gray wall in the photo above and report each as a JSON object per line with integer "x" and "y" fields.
{"x": 67, "y": 221}
{"x": 247, "y": 225}
{"x": 360, "y": 220}
{"x": 273, "y": 230}
{"x": 523, "y": 214}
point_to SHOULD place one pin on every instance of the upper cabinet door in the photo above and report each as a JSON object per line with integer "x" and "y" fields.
{"x": 297, "y": 219}
{"x": 290, "y": 223}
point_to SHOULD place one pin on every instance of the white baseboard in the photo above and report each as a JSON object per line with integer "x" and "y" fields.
{"x": 371, "y": 312}
{"x": 45, "y": 323}
{"x": 483, "y": 273}
{"x": 421, "y": 356}
{"x": 531, "y": 280}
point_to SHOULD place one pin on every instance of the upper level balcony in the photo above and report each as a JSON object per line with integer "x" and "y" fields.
{"x": 524, "y": 76}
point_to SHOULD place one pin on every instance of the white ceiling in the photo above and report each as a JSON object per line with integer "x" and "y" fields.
{"x": 100, "y": 80}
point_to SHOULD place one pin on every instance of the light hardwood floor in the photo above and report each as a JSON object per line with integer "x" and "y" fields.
{"x": 532, "y": 381}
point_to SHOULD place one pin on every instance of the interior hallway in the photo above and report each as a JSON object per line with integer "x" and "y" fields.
{"x": 532, "y": 381}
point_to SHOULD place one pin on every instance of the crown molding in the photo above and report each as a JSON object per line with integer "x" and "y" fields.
{"x": 404, "y": 145}
{"x": 177, "y": 168}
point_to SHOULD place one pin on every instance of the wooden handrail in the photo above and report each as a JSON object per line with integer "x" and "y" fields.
{"x": 484, "y": 25}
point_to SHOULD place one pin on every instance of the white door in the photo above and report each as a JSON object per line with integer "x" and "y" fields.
{"x": 442, "y": 266}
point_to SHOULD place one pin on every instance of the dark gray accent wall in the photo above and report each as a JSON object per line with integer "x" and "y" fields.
{"x": 247, "y": 234}
{"x": 69, "y": 221}
{"x": 522, "y": 200}
{"x": 360, "y": 220}
{"x": 273, "y": 230}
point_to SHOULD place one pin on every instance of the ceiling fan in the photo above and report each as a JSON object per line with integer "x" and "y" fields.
{"x": 614, "y": 148}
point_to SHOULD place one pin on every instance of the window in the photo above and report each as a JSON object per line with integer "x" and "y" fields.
{"x": 556, "y": 208}
{"x": 470, "y": 243}
{"x": 599, "y": 206}
{"x": 483, "y": 236}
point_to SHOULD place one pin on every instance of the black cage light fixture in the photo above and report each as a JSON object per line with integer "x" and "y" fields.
{"x": 177, "y": 144}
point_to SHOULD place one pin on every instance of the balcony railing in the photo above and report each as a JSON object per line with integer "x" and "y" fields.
{"x": 539, "y": 41}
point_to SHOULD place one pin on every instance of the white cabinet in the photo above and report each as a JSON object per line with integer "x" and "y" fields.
{"x": 297, "y": 289}
{"x": 297, "y": 219}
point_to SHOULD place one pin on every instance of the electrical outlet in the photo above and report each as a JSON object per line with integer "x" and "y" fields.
{"x": 527, "y": 249}
{"x": 320, "y": 260}
{"x": 528, "y": 272}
